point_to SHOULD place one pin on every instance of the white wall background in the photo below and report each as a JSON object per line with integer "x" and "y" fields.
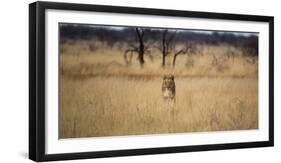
{"x": 14, "y": 79}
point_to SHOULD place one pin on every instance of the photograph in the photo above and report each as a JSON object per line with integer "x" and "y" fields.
{"x": 119, "y": 80}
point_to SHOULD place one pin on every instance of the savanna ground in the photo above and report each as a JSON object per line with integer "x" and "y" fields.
{"x": 102, "y": 96}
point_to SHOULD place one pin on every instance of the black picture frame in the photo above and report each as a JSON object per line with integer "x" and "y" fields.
{"x": 37, "y": 80}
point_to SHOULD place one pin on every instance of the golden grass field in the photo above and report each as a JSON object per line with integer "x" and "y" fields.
{"x": 101, "y": 96}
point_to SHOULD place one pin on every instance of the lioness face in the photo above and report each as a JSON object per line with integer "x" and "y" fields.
{"x": 168, "y": 87}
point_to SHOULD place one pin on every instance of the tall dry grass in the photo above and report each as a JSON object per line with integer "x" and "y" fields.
{"x": 101, "y": 96}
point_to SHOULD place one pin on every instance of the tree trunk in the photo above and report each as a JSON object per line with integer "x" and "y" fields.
{"x": 163, "y": 60}
{"x": 175, "y": 57}
{"x": 141, "y": 54}
{"x": 174, "y": 60}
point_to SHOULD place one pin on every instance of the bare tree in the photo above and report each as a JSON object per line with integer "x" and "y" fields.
{"x": 166, "y": 44}
{"x": 182, "y": 51}
{"x": 189, "y": 49}
{"x": 140, "y": 48}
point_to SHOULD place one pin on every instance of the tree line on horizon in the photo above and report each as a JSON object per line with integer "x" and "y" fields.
{"x": 140, "y": 40}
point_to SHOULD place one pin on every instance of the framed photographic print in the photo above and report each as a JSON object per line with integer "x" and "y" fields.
{"x": 109, "y": 81}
